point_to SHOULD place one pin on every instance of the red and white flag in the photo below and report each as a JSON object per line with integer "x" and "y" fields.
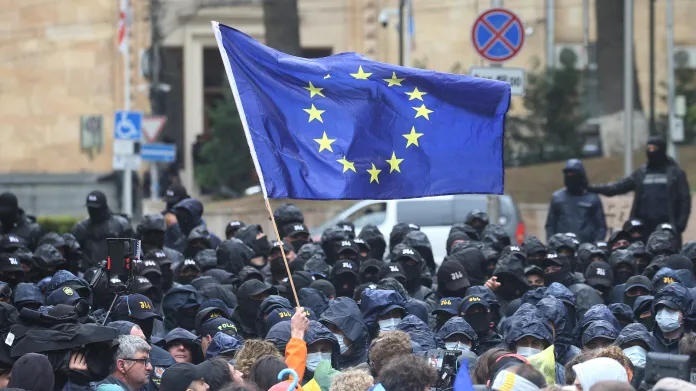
{"x": 123, "y": 25}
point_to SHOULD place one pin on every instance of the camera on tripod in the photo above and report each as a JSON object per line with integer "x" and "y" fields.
{"x": 119, "y": 262}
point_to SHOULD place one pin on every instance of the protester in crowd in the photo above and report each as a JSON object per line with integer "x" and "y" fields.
{"x": 573, "y": 209}
{"x": 406, "y": 373}
{"x": 662, "y": 193}
{"x": 14, "y": 221}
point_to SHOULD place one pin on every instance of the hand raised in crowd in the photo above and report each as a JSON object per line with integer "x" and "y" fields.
{"x": 299, "y": 323}
{"x": 77, "y": 362}
{"x": 492, "y": 284}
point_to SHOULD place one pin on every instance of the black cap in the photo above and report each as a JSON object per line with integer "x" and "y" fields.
{"x": 533, "y": 269}
{"x": 96, "y": 199}
{"x": 599, "y": 274}
{"x": 189, "y": 263}
{"x": 12, "y": 242}
{"x": 347, "y": 246}
{"x": 178, "y": 377}
{"x": 233, "y": 226}
{"x": 9, "y": 264}
{"x": 255, "y": 287}
{"x": 393, "y": 270}
{"x": 452, "y": 276}
{"x": 141, "y": 285}
{"x": 639, "y": 281}
{"x": 159, "y": 256}
{"x": 147, "y": 266}
{"x": 344, "y": 266}
{"x": 175, "y": 193}
{"x": 449, "y": 305}
{"x": 137, "y": 306}
{"x": 633, "y": 224}
{"x": 295, "y": 228}
{"x": 324, "y": 287}
{"x": 216, "y": 325}
{"x": 473, "y": 300}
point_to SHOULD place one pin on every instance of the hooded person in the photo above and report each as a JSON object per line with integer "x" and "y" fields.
{"x": 588, "y": 253}
{"x": 636, "y": 229}
{"x": 636, "y": 342}
{"x": 344, "y": 319}
{"x": 285, "y": 215}
{"x": 313, "y": 300}
{"x": 600, "y": 277}
{"x": 447, "y": 308}
{"x": 151, "y": 231}
{"x": 661, "y": 190}
{"x": 250, "y": 295}
{"x": 477, "y": 220}
{"x": 598, "y": 312}
{"x": 27, "y": 295}
{"x": 233, "y": 255}
{"x": 182, "y": 345}
{"x": 422, "y": 337}
{"x": 157, "y": 260}
{"x": 641, "y": 257}
{"x": 189, "y": 215}
{"x": 254, "y": 237}
{"x": 180, "y": 306}
{"x": 175, "y": 193}
{"x": 535, "y": 250}
{"x": 574, "y": 209}
{"x": 322, "y": 345}
{"x": 671, "y": 306}
{"x": 344, "y": 277}
{"x": 91, "y": 233}
{"x": 418, "y": 241}
{"x": 556, "y": 314}
{"x": 634, "y": 287}
{"x": 64, "y": 278}
{"x": 412, "y": 263}
{"x": 382, "y": 310}
{"x": 452, "y": 280}
{"x": 186, "y": 271}
{"x": 642, "y": 309}
{"x": 510, "y": 274}
{"x": 45, "y": 261}
{"x": 412, "y": 306}
{"x": 565, "y": 244}
{"x": 623, "y": 264}
{"x": 623, "y": 313}
{"x": 295, "y": 235}
{"x": 32, "y": 371}
{"x": 267, "y": 306}
{"x": 224, "y": 345}
{"x": 474, "y": 262}
{"x": 375, "y": 239}
{"x": 198, "y": 239}
{"x": 331, "y": 238}
{"x": 689, "y": 250}
{"x": 563, "y": 294}
{"x": 14, "y": 221}
{"x": 399, "y": 232}
{"x": 477, "y": 312}
{"x": 665, "y": 277}
{"x": 457, "y": 335}
{"x": 370, "y": 270}
{"x": 599, "y": 334}
{"x": 495, "y": 236}
{"x": 11, "y": 270}
{"x": 232, "y": 227}
{"x": 682, "y": 267}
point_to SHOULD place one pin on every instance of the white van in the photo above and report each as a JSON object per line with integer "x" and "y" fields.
{"x": 434, "y": 215}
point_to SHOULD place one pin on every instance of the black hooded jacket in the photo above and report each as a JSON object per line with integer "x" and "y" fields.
{"x": 474, "y": 262}
{"x": 344, "y": 313}
{"x": 91, "y": 235}
{"x": 373, "y": 237}
{"x": 233, "y": 255}
{"x": 26, "y": 228}
{"x": 572, "y": 209}
{"x": 678, "y": 193}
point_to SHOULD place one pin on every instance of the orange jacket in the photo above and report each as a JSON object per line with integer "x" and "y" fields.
{"x": 296, "y": 358}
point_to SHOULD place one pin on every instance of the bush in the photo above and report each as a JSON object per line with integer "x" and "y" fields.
{"x": 58, "y": 224}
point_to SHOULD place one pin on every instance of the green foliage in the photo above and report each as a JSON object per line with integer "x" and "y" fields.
{"x": 227, "y": 164}
{"x": 58, "y": 224}
{"x": 549, "y": 130}
{"x": 685, "y": 84}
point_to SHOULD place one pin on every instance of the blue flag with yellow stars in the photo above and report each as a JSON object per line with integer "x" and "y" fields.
{"x": 346, "y": 127}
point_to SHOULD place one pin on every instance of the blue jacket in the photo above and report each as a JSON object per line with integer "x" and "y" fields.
{"x": 456, "y": 325}
{"x": 377, "y": 302}
{"x": 180, "y": 306}
{"x": 419, "y": 332}
{"x": 223, "y": 343}
{"x": 345, "y": 315}
{"x": 581, "y": 214}
{"x": 25, "y": 293}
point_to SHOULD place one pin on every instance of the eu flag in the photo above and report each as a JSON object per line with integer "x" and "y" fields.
{"x": 346, "y": 127}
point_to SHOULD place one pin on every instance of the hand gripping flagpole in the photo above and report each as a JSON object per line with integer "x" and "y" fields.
{"x": 240, "y": 108}
{"x": 282, "y": 250}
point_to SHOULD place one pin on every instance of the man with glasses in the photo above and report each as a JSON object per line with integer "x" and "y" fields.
{"x": 131, "y": 366}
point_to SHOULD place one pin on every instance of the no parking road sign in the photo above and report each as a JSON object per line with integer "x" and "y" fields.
{"x": 497, "y": 35}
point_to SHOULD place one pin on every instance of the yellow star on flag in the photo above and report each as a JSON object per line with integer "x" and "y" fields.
{"x": 374, "y": 174}
{"x": 328, "y": 76}
{"x": 394, "y": 81}
{"x": 314, "y": 113}
{"x": 412, "y": 137}
{"x": 422, "y": 112}
{"x": 415, "y": 94}
{"x": 361, "y": 75}
{"x": 394, "y": 163}
{"x": 346, "y": 164}
{"x": 325, "y": 142}
{"x": 314, "y": 90}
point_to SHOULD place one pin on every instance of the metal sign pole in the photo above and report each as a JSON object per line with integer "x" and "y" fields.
{"x": 127, "y": 170}
{"x": 628, "y": 87}
{"x": 671, "y": 149}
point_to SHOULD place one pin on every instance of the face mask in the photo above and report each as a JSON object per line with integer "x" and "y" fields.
{"x": 648, "y": 322}
{"x": 637, "y": 355}
{"x": 630, "y": 300}
{"x": 526, "y": 352}
{"x": 184, "y": 280}
{"x": 262, "y": 246}
{"x": 623, "y": 276}
{"x": 341, "y": 345}
{"x": 389, "y": 324}
{"x": 297, "y": 244}
{"x": 574, "y": 183}
{"x": 480, "y": 322}
{"x": 313, "y": 360}
{"x": 667, "y": 320}
{"x": 457, "y": 346}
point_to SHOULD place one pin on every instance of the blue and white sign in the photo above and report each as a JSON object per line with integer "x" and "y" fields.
{"x": 158, "y": 152}
{"x": 498, "y": 35}
{"x": 128, "y": 125}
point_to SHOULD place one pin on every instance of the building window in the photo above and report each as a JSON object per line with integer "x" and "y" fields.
{"x": 215, "y": 83}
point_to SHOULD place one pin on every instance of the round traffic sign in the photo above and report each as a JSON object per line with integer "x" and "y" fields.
{"x": 497, "y": 35}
